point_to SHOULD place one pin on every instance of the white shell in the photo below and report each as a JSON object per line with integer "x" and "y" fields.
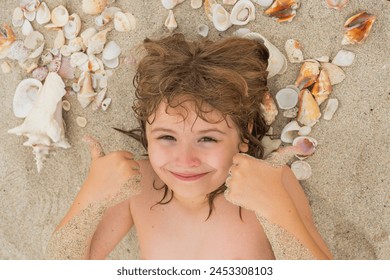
{"x": 293, "y": 51}
{"x": 304, "y": 131}
{"x": 30, "y": 16}
{"x": 277, "y": 62}
{"x": 59, "y": 41}
{"x": 87, "y": 34}
{"x": 170, "y": 4}
{"x": 124, "y": 22}
{"x": 221, "y": 17}
{"x": 111, "y": 63}
{"x": 78, "y": 58}
{"x": 290, "y": 113}
{"x": 44, "y": 125}
{"x": 264, "y": 3}
{"x": 93, "y": 7}
{"x": 330, "y": 108}
{"x": 196, "y": 4}
{"x": 59, "y": 16}
{"x": 335, "y": 73}
{"x": 290, "y": 131}
{"x": 243, "y": 12}
{"x": 37, "y": 52}
{"x": 66, "y": 105}
{"x": 203, "y": 30}
{"x": 87, "y": 93}
{"x": 17, "y": 17}
{"x": 286, "y": 98}
{"x": 32, "y": 40}
{"x": 72, "y": 27}
{"x": 170, "y": 21}
{"x": 97, "y": 42}
{"x": 106, "y": 103}
{"x": 106, "y": 16}
{"x": 25, "y": 94}
{"x": 111, "y": 51}
{"x": 99, "y": 99}
{"x": 27, "y": 28}
{"x": 301, "y": 170}
{"x": 81, "y": 121}
{"x": 43, "y": 14}
{"x": 344, "y": 58}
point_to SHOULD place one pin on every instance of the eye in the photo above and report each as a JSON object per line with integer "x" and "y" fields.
{"x": 208, "y": 139}
{"x": 166, "y": 137}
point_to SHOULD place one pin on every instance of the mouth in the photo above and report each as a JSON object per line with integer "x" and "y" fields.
{"x": 188, "y": 177}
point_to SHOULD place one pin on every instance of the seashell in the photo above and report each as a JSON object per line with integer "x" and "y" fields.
{"x": 27, "y": 28}
{"x": 241, "y": 32}
{"x": 304, "y": 146}
{"x": 229, "y": 2}
{"x": 203, "y": 30}
{"x": 290, "y": 113}
{"x": 40, "y": 73}
{"x": 76, "y": 87}
{"x": 344, "y": 58}
{"x": 7, "y": 37}
{"x": 113, "y": 63}
{"x": 97, "y": 42}
{"x": 87, "y": 34}
{"x": 301, "y": 170}
{"x": 330, "y": 108}
{"x": 46, "y": 58}
{"x": 78, "y": 58}
{"x": 308, "y": 74}
{"x": 111, "y": 51}
{"x": 323, "y": 58}
{"x": 290, "y": 131}
{"x": 25, "y": 94}
{"x": 170, "y": 21}
{"x": 208, "y": 8}
{"x": 72, "y": 27}
{"x": 66, "y": 71}
{"x": 17, "y": 17}
{"x": 277, "y": 62}
{"x": 93, "y": 7}
{"x": 243, "y": 12}
{"x": 32, "y": 40}
{"x": 18, "y": 51}
{"x": 76, "y": 44}
{"x": 92, "y": 65}
{"x": 357, "y": 28}
{"x": 5, "y": 67}
{"x": 29, "y": 5}
{"x": 220, "y": 18}
{"x": 293, "y": 51}
{"x": 43, "y": 14}
{"x": 308, "y": 110}
{"x": 59, "y": 16}
{"x": 283, "y": 10}
{"x": 97, "y": 102}
{"x": 268, "y": 108}
{"x": 270, "y": 145}
{"x": 59, "y": 41}
{"x": 55, "y": 64}
{"x": 81, "y": 121}
{"x": 66, "y": 105}
{"x": 106, "y": 16}
{"x": 335, "y": 73}
{"x": 65, "y": 50}
{"x": 86, "y": 94}
{"x": 337, "y": 4}
{"x": 106, "y": 103}
{"x": 44, "y": 125}
{"x": 322, "y": 87}
{"x": 170, "y": 4}
{"x": 286, "y": 98}
{"x": 124, "y": 22}
{"x": 30, "y": 16}
{"x": 304, "y": 131}
{"x": 264, "y": 3}
{"x": 196, "y": 4}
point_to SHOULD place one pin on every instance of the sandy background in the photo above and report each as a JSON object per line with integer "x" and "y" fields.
{"x": 349, "y": 190}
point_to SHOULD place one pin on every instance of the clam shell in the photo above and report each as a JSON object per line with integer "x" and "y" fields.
{"x": 344, "y": 58}
{"x": 330, "y": 108}
{"x": 309, "y": 111}
{"x": 170, "y": 21}
{"x": 124, "y": 22}
{"x": 357, "y": 28}
{"x": 301, "y": 170}
{"x": 93, "y": 7}
{"x": 286, "y": 98}
{"x": 30, "y": 16}
{"x": 283, "y": 10}
{"x": 203, "y": 30}
{"x": 72, "y": 27}
{"x": 25, "y": 94}
{"x": 304, "y": 146}
{"x": 335, "y": 73}
{"x": 290, "y": 131}
{"x": 43, "y": 14}
{"x": 337, "y": 4}
{"x": 268, "y": 108}
{"x": 17, "y": 17}
{"x": 81, "y": 121}
{"x": 111, "y": 63}
{"x": 220, "y": 17}
{"x": 293, "y": 51}
{"x": 196, "y": 4}
{"x": 322, "y": 87}
{"x": 87, "y": 34}
{"x": 59, "y": 16}
{"x": 308, "y": 74}
{"x": 29, "y": 5}
{"x": 243, "y": 12}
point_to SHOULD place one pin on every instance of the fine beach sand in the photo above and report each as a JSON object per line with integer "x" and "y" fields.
{"x": 349, "y": 191}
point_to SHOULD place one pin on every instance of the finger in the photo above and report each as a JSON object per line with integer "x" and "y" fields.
{"x": 126, "y": 155}
{"x": 95, "y": 147}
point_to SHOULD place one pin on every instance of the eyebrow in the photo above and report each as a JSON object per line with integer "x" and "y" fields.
{"x": 161, "y": 129}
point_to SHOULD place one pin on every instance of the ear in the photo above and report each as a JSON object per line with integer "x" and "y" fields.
{"x": 244, "y": 146}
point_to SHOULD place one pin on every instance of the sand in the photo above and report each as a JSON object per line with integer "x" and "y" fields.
{"x": 348, "y": 192}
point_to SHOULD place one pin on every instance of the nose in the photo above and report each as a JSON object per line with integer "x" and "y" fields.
{"x": 187, "y": 156}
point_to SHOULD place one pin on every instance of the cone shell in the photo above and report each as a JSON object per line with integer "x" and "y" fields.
{"x": 337, "y": 4}
{"x": 93, "y": 7}
{"x": 283, "y": 10}
{"x": 268, "y": 108}
{"x": 170, "y": 21}
{"x": 358, "y": 27}
{"x": 322, "y": 87}
{"x": 308, "y": 74}
{"x": 243, "y": 12}
{"x": 309, "y": 111}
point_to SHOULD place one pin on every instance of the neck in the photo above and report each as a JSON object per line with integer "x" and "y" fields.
{"x": 192, "y": 203}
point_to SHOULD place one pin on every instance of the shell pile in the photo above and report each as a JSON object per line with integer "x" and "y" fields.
{"x": 79, "y": 62}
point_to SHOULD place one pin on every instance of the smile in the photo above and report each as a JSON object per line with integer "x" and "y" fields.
{"x": 188, "y": 177}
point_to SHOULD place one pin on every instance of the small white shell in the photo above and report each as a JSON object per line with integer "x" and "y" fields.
{"x": 72, "y": 27}
{"x": 106, "y": 16}
{"x": 17, "y": 17}
{"x": 30, "y": 16}
{"x": 243, "y": 12}
{"x": 229, "y": 2}
{"x": 25, "y": 94}
{"x": 170, "y": 21}
{"x": 196, "y": 4}
{"x": 304, "y": 131}
{"x": 59, "y": 41}
{"x": 27, "y": 28}
{"x": 78, "y": 58}
{"x": 106, "y": 103}
{"x": 344, "y": 58}
{"x": 286, "y": 98}
{"x": 124, "y": 22}
{"x": 111, "y": 51}
{"x": 43, "y": 14}
{"x": 301, "y": 170}
{"x": 111, "y": 63}
{"x": 293, "y": 51}
{"x": 93, "y": 7}
{"x": 290, "y": 131}
{"x": 330, "y": 108}
{"x": 87, "y": 34}
{"x": 59, "y": 16}
{"x": 81, "y": 121}
{"x": 76, "y": 44}
{"x": 203, "y": 30}
{"x": 221, "y": 17}
{"x": 66, "y": 105}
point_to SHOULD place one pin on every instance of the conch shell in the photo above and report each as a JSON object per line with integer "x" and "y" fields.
{"x": 283, "y": 10}
{"x": 44, "y": 125}
{"x": 357, "y": 28}
{"x": 308, "y": 74}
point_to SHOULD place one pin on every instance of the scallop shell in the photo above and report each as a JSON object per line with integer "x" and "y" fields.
{"x": 304, "y": 146}
{"x": 344, "y": 58}
{"x": 277, "y": 62}
{"x": 330, "y": 108}
{"x": 17, "y": 17}
{"x": 286, "y": 98}
{"x": 220, "y": 18}
{"x": 293, "y": 51}
{"x": 170, "y": 21}
{"x": 44, "y": 125}
{"x": 322, "y": 87}
{"x": 309, "y": 111}
{"x": 72, "y": 27}
{"x": 7, "y": 37}
{"x": 124, "y": 22}
{"x": 196, "y": 4}
{"x": 283, "y": 10}
{"x": 301, "y": 170}
{"x": 337, "y": 4}
{"x": 268, "y": 108}
{"x": 335, "y": 73}
{"x": 203, "y": 30}
{"x": 97, "y": 42}
{"x": 243, "y": 12}
{"x": 25, "y": 94}
{"x": 93, "y": 7}
{"x": 43, "y": 14}
{"x": 59, "y": 16}
{"x": 290, "y": 131}
{"x": 55, "y": 64}
{"x": 308, "y": 74}
{"x": 357, "y": 28}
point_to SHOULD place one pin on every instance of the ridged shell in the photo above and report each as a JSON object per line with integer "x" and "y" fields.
{"x": 358, "y": 27}
{"x": 25, "y": 94}
{"x": 243, "y": 12}
{"x": 309, "y": 111}
{"x": 93, "y": 7}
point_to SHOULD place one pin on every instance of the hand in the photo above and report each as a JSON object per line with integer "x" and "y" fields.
{"x": 113, "y": 177}
{"x": 256, "y": 185}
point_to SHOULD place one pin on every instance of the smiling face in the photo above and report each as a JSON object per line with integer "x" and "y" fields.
{"x": 190, "y": 155}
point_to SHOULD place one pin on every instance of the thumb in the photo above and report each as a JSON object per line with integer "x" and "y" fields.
{"x": 95, "y": 147}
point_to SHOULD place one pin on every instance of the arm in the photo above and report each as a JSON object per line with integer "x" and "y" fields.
{"x": 94, "y": 225}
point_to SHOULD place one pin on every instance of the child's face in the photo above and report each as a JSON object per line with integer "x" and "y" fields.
{"x": 190, "y": 155}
